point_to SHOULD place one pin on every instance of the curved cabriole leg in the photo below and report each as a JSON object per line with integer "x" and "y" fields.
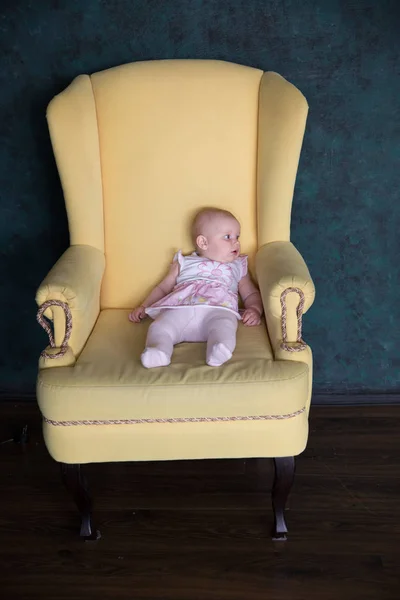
{"x": 284, "y": 475}
{"x": 76, "y": 484}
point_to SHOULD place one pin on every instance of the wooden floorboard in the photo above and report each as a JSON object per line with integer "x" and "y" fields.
{"x": 200, "y": 529}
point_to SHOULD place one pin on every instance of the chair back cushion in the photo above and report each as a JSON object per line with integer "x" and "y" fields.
{"x": 174, "y": 136}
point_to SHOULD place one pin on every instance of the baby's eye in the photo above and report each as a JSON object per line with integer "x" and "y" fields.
{"x": 227, "y": 237}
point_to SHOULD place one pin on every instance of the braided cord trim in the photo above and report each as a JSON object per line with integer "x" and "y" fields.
{"x": 301, "y": 345}
{"x": 44, "y": 323}
{"x": 177, "y": 420}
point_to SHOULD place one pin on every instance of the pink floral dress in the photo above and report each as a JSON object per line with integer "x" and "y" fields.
{"x": 204, "y": 282}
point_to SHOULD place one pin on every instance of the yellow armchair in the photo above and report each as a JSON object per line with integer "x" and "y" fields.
{"x": 139, "y": 148}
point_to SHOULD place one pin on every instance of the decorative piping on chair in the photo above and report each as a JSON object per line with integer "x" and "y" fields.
{"x": 299, "y": 311}
{"x": 177, "y": 420}
{"x": 43, "y": 323}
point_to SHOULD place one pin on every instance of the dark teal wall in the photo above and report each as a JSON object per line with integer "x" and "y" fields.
{"x": 342, "y": 54}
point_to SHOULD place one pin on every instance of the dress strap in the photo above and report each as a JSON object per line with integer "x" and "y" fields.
{"x": 178, "y": 257}
{"x": 244, "y": 264}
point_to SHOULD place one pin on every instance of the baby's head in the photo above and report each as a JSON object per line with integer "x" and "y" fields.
{"x": 216, "y": 235}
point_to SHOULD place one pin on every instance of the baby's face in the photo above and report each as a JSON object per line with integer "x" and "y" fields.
{"x": 221, "y": 236}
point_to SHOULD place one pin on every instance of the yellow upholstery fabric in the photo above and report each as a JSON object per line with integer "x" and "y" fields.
{"x": 75, "y": 138}
{"x": 177, "y": 441}
{"x": 178, "y": 135}
{"x": 139, "y": 149}
{"x": 75, "y": 279}
{"x": 251, "y": 383}
{"x": 111, "y": 384}
{"x": 282, "y": 119}
{"x": 280, "y": 266}
{"x": 172, "y": 140}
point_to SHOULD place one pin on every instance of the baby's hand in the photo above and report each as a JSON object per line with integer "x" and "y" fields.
{"x": 137, "y": 314}
{"x": 251, "y": 317}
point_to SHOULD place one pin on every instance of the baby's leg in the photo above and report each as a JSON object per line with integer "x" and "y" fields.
{"x": 163, "y": 334}
{"x": 220, "y": 326}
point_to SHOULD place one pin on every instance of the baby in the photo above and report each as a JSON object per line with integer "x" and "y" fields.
{"x": 198, "y": 300}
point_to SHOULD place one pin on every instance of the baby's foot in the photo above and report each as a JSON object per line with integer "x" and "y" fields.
{"x": 219, "y": 355}
{"x": 152, "y": 357}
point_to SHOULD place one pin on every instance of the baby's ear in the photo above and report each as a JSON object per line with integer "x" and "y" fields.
{"x": 201, "y": 242}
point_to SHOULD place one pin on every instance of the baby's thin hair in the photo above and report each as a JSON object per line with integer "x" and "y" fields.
{"x": 203, "y": 214}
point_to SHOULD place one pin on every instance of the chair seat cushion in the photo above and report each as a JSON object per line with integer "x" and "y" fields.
{"x": 108, "y": 382}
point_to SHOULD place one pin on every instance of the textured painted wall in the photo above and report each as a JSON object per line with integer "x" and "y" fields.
{"x": 342, "y": 54}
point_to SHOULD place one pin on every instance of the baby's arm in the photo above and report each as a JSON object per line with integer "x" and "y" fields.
{"x": 162, "y": 289}
{"x": 252, "y": 301}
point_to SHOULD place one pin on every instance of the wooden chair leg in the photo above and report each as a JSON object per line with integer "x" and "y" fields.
{"x": 284, "y": 475}
{"x": 75, "y": 483}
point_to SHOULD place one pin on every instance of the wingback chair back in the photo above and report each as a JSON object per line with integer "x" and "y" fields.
{"x": 141, "y": 147}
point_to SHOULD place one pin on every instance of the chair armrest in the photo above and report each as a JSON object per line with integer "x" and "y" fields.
{"x": 76, "y": 280}
{"x": 280, "y": 266}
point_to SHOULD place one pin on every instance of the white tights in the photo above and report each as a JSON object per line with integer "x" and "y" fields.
{"x": 215, "y": 326}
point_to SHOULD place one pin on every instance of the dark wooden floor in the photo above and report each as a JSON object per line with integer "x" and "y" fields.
{"x": 200, "y": 530}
